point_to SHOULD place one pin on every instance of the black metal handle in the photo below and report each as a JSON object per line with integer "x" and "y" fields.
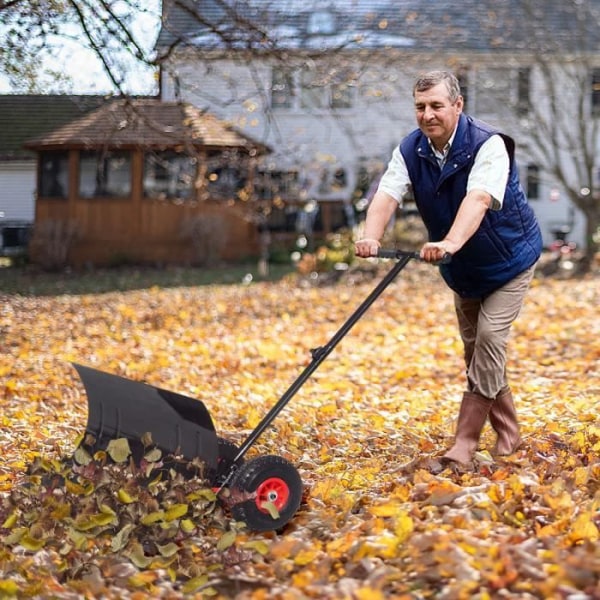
{"x": 397, "y": 254}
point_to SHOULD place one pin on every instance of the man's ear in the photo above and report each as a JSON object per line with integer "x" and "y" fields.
{"x": 459, "y": 104}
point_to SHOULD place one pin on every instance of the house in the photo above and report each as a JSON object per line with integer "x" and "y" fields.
{"x": 22, "y": 117}
{"x": 327, "y": 85}
{"x": 144, "y": 181}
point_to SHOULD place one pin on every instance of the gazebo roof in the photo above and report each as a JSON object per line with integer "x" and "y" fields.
{"x": 134, "y": 123}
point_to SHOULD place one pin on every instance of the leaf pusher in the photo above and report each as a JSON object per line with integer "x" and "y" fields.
{"x": 269, "y": 488}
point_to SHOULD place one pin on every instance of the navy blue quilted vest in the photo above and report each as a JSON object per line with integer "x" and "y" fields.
{"x": 507, "y": 242}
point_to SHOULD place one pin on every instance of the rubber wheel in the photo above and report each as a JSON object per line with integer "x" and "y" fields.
{"x": 269, "y": 479}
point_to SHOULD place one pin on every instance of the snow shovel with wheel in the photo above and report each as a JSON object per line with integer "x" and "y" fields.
{"x": 267, "y": 490}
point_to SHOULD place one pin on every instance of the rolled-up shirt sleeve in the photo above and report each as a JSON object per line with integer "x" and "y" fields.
{"x": 490, "y": 170}
{"x": 395, "y": 180}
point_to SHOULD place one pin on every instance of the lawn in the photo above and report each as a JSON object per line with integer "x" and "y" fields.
{"x": 30, "y": 281}
{"x": 378, "y": 518}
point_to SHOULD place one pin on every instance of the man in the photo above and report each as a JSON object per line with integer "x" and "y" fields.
{"x": 463, "y": 177}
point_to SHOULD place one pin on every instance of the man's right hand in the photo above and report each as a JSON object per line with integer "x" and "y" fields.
{"x": 366, "y": 247}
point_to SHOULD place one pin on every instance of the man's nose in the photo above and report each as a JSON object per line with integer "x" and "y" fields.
{"x": 428, "y": 113}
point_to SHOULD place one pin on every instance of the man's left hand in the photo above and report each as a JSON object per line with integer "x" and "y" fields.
{"x": 435, "y": 251}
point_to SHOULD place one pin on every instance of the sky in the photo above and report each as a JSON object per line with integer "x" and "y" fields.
{"x": 84, "y": 71}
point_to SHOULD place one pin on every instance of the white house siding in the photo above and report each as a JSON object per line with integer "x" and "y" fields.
{"x": 318, "y": 140}
{"x": 364, "y": 134}
{"x": 493, "y": 96}
{"x": 17, "y": 188}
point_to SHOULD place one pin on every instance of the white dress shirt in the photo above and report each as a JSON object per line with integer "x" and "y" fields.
{"x": 489, "y": 172}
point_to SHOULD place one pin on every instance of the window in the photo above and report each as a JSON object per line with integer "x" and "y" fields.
{"x": 105, "y": 174}
{"x": 277, "y": 185}
{"x": 342, "y": 90}
{"x": 226, "y": 175}
{"x": 282, "y": 89}
{"x": 596, "y": 91}
{"x": 533, "y": 182}
{"x": 321, "y": 22}
{"x": 523, "y": 91}
{"x": 54, "y": 175}
{"x": 463, "y": 80}
{"x": 283, "y": 218}
{"x": 169, "y": 175}
{"x": 308, "y": 89}
{"x": 313, "y": 94}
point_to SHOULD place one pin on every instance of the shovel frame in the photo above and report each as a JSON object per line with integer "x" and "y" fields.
{"x": 319, "y": 354}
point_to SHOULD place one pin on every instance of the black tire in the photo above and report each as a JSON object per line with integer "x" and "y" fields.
{"x": 269, "y": 479}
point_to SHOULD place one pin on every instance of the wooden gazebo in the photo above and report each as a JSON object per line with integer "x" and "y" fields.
{"x": 144, "y": 181}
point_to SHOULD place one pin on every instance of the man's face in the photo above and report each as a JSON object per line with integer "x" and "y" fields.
{"x": 436, "y": 114}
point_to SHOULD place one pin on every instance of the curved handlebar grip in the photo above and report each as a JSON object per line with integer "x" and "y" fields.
{"x": 446, "y": 259}
{"x": 397, "y": 254}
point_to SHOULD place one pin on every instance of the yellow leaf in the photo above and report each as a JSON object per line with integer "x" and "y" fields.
{"x": 259, "y": 546}
{"x": 307, "y": 556}
{"x": 142, "y": 579}
{"x": 8, "y": 588}
{"x": 192, "y": 585}
{"x": 119, "y": 450}
{"x": 581, "y": 476}
{"x": 77, "y": 489}
{"x": 168, "y": 550}
{"x": 107, "y": 510}
{"x": 387, "y": 509}
{"x": 187, "y": 525}
{"x": 404, "y": 526}
{"x": 152, "y": 517}
{"x": 226, "y": 540}
{"x": 559, "y": 501}
{"x": 89, "y": 522}
{"x": 368, "y": 593}
{"x": 32, "y": 544}
{"x": 175, "y": 512}
{"x": 582, "y": 529}
{"x": 137, "y": 556}
{"x": 120, "y": 539}
{"x": 78, "y": 538}
{"x": 125, "y": 497}
{"x": 61, "y": 511}
{"x": 382, "y": 546}
{"x": 11, "y": 520}
{"x": 82, "y": 456}
{"x": 153, "y": 455}
{"x": 271, "y": 509}
{"x": 202, "y": 494}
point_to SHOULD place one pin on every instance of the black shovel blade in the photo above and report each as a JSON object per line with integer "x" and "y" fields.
{"x": 122, "y": 408}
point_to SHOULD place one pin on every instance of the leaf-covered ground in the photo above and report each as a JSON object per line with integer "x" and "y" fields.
{"x": 377, "y": 519}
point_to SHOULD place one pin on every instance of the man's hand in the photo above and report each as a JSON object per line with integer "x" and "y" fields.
{"x": 366, "y": 247}
{"x": 433, "y": 252}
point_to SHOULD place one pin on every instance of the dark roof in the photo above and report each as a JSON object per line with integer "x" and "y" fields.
{"x": 147, "y": 123}
{"x": 25, "y": 116}
{"x": 444, "y": 25}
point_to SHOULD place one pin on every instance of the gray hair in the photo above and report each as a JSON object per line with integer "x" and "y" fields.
{"x": 433, "y": 78}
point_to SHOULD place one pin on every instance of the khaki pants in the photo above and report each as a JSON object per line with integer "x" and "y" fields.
{"x": 484, "y": 325}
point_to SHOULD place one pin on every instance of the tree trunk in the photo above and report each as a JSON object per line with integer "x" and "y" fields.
{"x": 592, "y": 237}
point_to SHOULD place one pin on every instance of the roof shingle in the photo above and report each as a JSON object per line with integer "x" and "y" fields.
{"x": 25, "y": 116}
{"x": 445, "y": 25}
{"x": 145, "y": 123}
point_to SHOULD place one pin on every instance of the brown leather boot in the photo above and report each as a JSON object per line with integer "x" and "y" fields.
{"x": 503, "y": 418}
{"x": 472, "y": 416}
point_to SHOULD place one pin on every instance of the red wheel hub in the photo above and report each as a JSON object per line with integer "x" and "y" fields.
{"x": 273, "y": 490}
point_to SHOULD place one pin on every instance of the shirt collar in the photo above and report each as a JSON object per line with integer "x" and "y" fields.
{"x": 443, "y": 155}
